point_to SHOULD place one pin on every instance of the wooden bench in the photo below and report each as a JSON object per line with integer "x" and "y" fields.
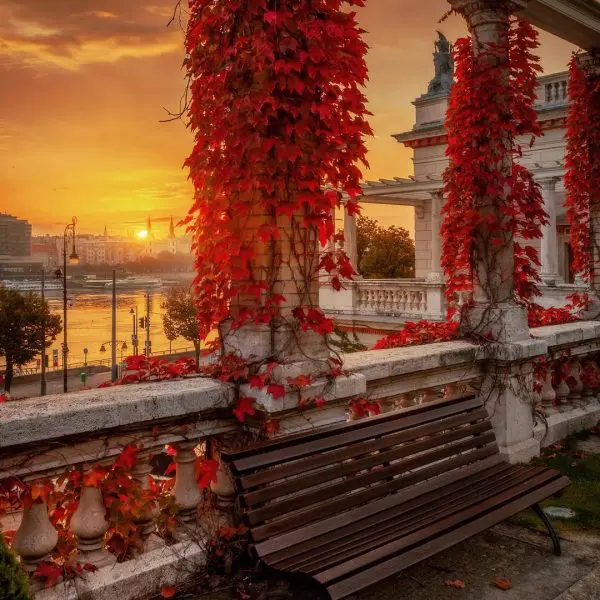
{"x": 354, "y": 503}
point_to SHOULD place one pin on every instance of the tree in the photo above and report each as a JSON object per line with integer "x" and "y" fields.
{"x": 384, "y": 253}
{"x": 180, "y": 318}
{"x": 22, "y": 319}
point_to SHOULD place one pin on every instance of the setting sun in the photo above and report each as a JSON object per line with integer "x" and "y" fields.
{"x": 143, "y": 234}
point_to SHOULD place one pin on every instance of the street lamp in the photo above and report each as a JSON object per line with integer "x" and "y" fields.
{"x": 113, "y": 345}
{"x": 73, "y": 260}
{"x": 134, "y": 330}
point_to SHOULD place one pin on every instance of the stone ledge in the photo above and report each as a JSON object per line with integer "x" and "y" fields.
{"x": 379, "y": 364}
{"x": 567, "y": 333}
{"x": 53, "y": 417}
{"x": 137, "y": 579}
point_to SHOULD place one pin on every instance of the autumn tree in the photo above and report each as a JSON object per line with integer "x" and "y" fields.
{"x": 180, "y": 317}
{"x": 22, "y": 321}
{"x": 384, "y": 253}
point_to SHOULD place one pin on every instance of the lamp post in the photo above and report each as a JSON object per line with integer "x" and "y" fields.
{"x": 73, "y": 260}
{"x": 134, "y": 330}
{"x": 43, "y": 387}
{"x": 113, "y": 347}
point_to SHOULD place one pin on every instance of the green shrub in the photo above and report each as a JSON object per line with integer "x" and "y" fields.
{"x": 13, "y": 581}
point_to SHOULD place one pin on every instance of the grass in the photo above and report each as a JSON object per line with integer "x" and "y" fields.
{"x": 583, "y": 495}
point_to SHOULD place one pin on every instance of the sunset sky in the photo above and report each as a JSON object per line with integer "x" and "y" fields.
{"x": 83, "y": 84}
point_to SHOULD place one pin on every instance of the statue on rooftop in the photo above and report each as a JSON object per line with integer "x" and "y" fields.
{"x": 444, "y": 66}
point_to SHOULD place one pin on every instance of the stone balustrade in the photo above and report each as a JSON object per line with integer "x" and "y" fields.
{"x": 553, "y": 90}
{"x": 385, "y": 299}
{"x": 40, "y": 438}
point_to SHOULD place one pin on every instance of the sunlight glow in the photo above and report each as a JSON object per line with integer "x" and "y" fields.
{"x": 143, "y": 234}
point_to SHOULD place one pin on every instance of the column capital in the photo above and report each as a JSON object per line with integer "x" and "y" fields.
{"x": 479, "y": 12}
{"x": 548, "y": 183}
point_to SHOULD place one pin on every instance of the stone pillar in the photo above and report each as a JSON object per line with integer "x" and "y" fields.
{"x": 549, "y": 242}
{"x": 186, "y": 490}
{"x": 494, "y": 313}
{"x": 350, "y": 239}
{"x": 436, "y": 275}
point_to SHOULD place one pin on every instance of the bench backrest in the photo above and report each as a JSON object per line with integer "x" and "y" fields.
{"x": 301, "y": 479}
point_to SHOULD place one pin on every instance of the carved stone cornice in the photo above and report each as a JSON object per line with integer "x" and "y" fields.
{"x": 589, "y": 62}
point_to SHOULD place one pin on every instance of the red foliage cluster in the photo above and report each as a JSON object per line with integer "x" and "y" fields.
{"x": 142, "y": 369}
{"x": 421, "y": 332}
{"x": 486, "y": 109}
{"x": 538, "y": 316}
{"x": 582, "y": 176}
{"x": 278, "y": 116}
{"x": 125, "y": 499}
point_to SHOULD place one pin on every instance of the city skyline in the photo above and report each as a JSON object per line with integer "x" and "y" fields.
{"x": 69, "y": 72}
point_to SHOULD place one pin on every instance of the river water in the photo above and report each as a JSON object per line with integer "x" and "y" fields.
{"x": 89, "y": 324}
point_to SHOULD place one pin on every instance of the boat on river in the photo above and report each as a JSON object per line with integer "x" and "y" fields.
{"x": 134, "y": 282}
{"x": 32, "y": 285}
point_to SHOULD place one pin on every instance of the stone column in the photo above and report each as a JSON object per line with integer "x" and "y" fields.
{"x": 495, "y": 313}
{"x": 436, "y": 275}
{"x": 549, "y": 242}
{"x": 350, "y": 239}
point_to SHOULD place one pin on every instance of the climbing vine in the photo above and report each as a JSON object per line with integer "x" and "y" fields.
{"x": 582, "y": 176}
{"x": 493, "y": 204}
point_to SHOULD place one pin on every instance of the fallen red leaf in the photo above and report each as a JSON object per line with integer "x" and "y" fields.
{"x": 502, "y": 583}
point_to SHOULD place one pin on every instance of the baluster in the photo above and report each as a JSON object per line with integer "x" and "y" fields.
{"x": 141, "y": 473}
{"x": 36, "y": 537}
{"x": 186, "y": 490}
{"x": 574, "y": 382}
{"x": 556, "y": 92}
{"x": 562, "y": 392}
{"x": 548, "y": 394}
{"x": 548, "y": 93}
{"x": 423, "y": 305}
{"x": 380, "y": 301}
{"x": 404, "y": 301}
{"x": 225, "y": 493}
{"x": 89, "y": 524}
{"x": 385, "y": 300}
{"x": 563, "y": 90}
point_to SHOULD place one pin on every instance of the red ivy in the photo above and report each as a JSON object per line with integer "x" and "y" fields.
{"x": 582, "y": 176}
{"x": 421, "y": 332}
{"x": 278, "y": 116}
{"x": 487, "y": 107}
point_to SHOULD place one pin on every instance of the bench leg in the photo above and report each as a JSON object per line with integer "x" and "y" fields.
{"x": 537, "y": 509}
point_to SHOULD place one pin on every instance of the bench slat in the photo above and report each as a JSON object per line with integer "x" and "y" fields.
{"x": 319, "y": 441}
{"x": 482, "y": 432}
{"x": 289, "y": 469}
{"x": 405, "y": 524}
{"x": 489, "y": 467}
{"x": 462, "y": 517}
{"x": 368, "y": 577}
{"x": 305, "y": 499}
{"x": 403, "y": 503}
{"x": 340, "y": 503}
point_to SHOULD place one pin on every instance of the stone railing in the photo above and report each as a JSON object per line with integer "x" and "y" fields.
{"x": 386, "y": 298}
{"x": 552, "y": 91}
{"x": 570, "y": 396}
{"x": 40, "y": 438}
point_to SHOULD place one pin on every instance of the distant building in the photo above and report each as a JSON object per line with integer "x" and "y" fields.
{"x": 44, "y": 249}
{"x": 15, "y": 236}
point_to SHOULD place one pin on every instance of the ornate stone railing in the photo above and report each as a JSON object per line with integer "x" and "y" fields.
{"x": 40, "y": 438}
{"x": 385, "y": 298}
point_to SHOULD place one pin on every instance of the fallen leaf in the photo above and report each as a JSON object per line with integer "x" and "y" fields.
{"x": 459, "y": 584}
{"x": 503, "y": 583}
